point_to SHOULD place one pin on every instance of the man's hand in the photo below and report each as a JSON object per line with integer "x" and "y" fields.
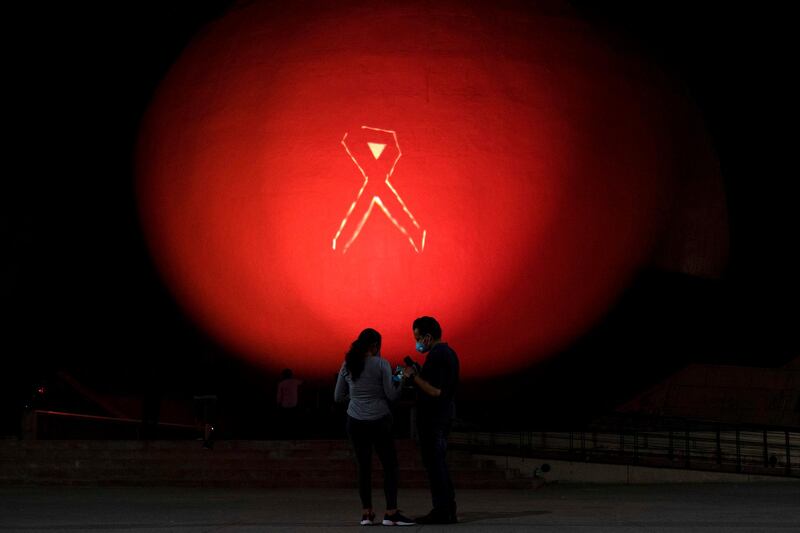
{"x": 423, "y": 385}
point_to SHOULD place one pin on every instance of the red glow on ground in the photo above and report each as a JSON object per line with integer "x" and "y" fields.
{"x": 537, "y": 160}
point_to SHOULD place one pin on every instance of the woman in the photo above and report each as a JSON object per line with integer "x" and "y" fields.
{"x": 366, "y": 379}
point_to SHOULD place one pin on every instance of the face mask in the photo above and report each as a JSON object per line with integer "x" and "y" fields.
{"x": 421, "y": 347}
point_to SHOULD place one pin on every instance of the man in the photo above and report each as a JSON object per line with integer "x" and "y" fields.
{"x": 288, "y": 390}
{"x": 436, "y": 383}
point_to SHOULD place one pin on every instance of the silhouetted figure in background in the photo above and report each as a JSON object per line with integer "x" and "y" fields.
{"x": 288, "y": 401}
{"x": 436, "y": 385}
{"x": 366, "y": 379}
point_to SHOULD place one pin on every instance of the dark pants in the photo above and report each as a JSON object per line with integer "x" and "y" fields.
{"x": 366, "y": 434}
{"x": 433, "y": 447}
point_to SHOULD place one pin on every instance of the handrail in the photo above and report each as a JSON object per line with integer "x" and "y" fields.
{"x": 43, "y": 423}
{"x": 114, "y": 419}
{"x": 764, "y": 452}
{"x": 618, "y": 419}
{"x": 89, "y": 394}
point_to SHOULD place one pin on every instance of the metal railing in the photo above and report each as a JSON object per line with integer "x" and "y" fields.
{"x": 682, "y": 444}
{"x": 44, "y": 424}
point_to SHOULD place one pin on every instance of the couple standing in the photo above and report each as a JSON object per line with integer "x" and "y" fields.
{"x": 366, "y": 379}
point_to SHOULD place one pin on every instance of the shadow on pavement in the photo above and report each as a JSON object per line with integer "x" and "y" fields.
{"x": 466, "y": 517}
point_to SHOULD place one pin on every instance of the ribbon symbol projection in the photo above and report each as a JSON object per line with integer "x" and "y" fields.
{"x": 375, "y": 152}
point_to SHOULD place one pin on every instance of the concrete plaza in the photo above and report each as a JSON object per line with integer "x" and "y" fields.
{"x": 756, "y": 507}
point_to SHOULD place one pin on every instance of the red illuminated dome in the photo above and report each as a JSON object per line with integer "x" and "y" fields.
{"x": 310, "y": 169}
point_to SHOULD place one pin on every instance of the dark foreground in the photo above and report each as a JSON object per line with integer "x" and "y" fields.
{"x": 677, "y": 507}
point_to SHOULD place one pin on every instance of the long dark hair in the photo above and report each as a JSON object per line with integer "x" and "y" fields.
{"x": 356, "y": 356}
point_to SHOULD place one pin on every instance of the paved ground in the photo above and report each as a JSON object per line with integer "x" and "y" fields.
{"x": 674, "y": 508}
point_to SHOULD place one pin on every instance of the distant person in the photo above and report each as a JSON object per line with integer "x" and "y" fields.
{"x": 288, "y": 390}
{"x": 436, "y": 384}
{"x": 366, "y": 379}
{"x": 288, "y": 400}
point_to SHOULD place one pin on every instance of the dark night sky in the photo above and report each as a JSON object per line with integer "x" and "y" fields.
{"x": 80, "y": 293}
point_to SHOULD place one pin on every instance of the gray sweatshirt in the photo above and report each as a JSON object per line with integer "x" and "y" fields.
{"x": 371, "y": 393}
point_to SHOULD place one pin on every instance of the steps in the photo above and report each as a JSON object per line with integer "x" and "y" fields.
{"x": 278, "y": 464}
